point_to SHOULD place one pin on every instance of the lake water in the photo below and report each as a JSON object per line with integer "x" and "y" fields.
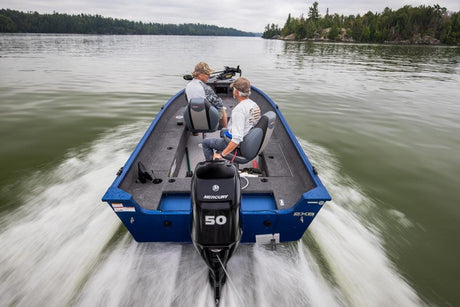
{"x": 380, "y": 123}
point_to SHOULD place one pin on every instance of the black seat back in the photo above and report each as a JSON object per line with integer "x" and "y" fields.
{"x": 201, "y": 116}
{"x": 256, "y": 139}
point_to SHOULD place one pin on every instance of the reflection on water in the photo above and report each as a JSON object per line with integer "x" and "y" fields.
{"x": 379, "y": 58}
{"x": 415, "y": 54}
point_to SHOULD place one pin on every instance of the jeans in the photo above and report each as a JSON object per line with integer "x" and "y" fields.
{"x": 211, "y": 144}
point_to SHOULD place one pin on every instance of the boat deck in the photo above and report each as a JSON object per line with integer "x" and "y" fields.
{"x": 163, "y": 154}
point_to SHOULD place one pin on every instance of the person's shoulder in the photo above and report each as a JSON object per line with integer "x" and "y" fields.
{"x": 248, "y": 102}
{"x": 253, "y": 103}
{"x": 204, "y": 84}
{"x": 194, "y": 83}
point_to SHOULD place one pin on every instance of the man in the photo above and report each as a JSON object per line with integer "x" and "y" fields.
{"x": 245, "y": 115}
{"x": 197, "y": 88}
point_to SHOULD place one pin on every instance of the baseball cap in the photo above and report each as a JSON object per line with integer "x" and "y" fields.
{"x": 242, "y": 84}
{"x": 203, "y": 68}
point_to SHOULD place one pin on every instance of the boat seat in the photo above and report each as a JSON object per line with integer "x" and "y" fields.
{"x": 255, "y": 141}
{"x": 201, "y": 116}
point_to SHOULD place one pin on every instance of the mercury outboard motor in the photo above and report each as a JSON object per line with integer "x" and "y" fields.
{"x": 216, "y": 229}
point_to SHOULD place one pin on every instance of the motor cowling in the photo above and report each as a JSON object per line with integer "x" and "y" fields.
{"x": 216, "y": 228}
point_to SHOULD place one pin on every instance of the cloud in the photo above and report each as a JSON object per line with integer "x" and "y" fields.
{"x": 246, "y": 15}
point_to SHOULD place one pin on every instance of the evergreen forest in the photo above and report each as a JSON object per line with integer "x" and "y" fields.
{"x": 12, "y": 21}
{"x": 407, "y": 25}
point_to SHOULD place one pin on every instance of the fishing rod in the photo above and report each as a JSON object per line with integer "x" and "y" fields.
{"x": 227, "y": 73}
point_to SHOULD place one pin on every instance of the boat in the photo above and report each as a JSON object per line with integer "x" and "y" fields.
{"x": 266, "y": 193}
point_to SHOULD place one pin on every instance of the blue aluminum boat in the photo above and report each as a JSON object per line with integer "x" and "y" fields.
{"x": 166, "y": 193}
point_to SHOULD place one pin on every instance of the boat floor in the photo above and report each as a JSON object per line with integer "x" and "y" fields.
{"x": 284, "y": 175}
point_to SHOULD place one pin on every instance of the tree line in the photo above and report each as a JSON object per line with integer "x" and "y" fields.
{"x": 419, "y": 25}
{"x": 12, "y": 21}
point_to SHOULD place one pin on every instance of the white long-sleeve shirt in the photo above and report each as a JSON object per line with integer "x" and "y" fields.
{"x": 244, "y": 116}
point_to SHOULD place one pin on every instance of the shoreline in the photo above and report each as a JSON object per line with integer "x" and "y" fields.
{"x": 415, "y": 41}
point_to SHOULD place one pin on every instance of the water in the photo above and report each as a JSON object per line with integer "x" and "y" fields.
{"x": 380, "y": 123}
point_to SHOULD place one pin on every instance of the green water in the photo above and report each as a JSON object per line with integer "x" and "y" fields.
{"x": 380, "y": 122}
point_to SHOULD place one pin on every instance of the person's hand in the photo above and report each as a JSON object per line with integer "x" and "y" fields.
{"x": 217, "y": 156}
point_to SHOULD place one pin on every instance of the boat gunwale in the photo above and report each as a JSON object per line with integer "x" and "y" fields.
{"x": 299, "y": 149}
{"x": 318, "y": 192}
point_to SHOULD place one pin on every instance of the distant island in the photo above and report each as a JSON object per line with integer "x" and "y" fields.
{"x": 12, "y": 21}
{"x": 429, "y": 25}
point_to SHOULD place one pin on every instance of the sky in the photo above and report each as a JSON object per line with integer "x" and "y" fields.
{"x": 245, "y": 15}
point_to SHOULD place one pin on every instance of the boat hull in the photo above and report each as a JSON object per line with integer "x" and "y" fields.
{"x": 263, "y": 213}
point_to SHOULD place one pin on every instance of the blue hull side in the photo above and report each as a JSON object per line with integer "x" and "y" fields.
{"x": 172, "y": 222}
{"x": 259, "y": 213}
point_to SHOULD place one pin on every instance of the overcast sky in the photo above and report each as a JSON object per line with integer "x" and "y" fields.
{"x": 246, "y": 15}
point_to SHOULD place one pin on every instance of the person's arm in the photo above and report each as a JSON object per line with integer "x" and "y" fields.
{"x": 238, "y": 122}
{"x": 223, "y": 119}
{"x": 212, "y": 97}
{"x": 237, "y": 134}
{"x": 228, "y": 150}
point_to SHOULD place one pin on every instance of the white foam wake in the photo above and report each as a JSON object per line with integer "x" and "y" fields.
{"x": 59, "y": 249}
{"x": 351, "y": 244}
{"x": 52, "y": 241}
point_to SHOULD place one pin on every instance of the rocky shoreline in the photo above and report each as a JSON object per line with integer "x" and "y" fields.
{"x": 343, "y": 37}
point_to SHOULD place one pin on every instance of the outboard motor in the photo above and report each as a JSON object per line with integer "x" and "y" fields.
{"x": 216, "y": 229}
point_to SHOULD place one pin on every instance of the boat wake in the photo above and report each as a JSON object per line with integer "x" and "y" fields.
{"x": 350, "y": 245}
{"x": 63, "y": 246}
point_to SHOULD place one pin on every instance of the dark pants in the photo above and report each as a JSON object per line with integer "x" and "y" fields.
{"x": 211, "y": 144}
